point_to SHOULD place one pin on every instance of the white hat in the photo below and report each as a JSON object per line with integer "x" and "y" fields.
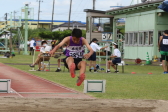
{"x": 114, "y": 43}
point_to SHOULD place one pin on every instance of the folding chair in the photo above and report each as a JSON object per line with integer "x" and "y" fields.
{"x": 46, "y": 55}
{"x": 121, "y": 65}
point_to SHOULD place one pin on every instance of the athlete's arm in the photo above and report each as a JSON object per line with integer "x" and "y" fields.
{"x": 160, "y": 39}
{"x": 64, "y": 41}
{"x": 86, "y": 56}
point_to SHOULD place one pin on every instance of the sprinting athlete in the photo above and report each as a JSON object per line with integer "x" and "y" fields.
{"x": 75, "y": 53}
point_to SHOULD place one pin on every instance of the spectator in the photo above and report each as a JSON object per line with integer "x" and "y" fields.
{"x": 61, "y": 60}
{"x": 53, "y": 43}
{"x": 32, "y": 46}
{"x": 99, "y": 28}
{"x": 44, "y": 49}
{"x": 117, "y": 58}
{"x": 92, "y": 58}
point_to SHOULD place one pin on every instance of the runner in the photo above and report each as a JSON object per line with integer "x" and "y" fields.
{"x": 75, "y": 53}
{"x": 163, "y": 49}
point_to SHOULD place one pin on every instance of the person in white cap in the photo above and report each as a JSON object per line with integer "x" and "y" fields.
{"x": 116, "y": 58}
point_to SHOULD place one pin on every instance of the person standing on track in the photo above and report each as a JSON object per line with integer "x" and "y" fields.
{"x": 163, "y": 49}
{"x": 75, "y": 53}
{"x": 92, "y": 58}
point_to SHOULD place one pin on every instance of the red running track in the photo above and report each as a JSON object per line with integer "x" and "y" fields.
{"x": 27, "y": 85}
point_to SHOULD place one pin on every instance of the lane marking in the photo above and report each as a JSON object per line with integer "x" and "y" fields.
{"x": 17, "y": 93}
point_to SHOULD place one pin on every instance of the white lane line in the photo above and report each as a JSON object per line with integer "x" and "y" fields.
{"x": 17, "y": 93}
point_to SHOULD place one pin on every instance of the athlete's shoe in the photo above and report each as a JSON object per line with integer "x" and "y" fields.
{"x": 90, "y": 70}
{"x": 38, "y": 70}
{"x": 116, "y": 71}
{"x": 108, "y": 71}
{"x": 95, "y": 71}
{"x": 72, "y": 70}
{"x": 81, "y": 78}
{"x": 31, "y": 65}
{"x": 165, "y": 72}
{"x": 58, "y": 70}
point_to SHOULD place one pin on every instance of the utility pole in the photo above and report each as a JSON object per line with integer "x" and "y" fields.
{"x": 39, "y": 12}
{"x": 6, "y": 18}
{"x": 26, "y": 28}
{"x": 14, "y": 18}
{"x": 10, "y": 39}
{"x": 94, "y": 4}
{"x": 69, "y": 14}
{"x": 52, "y": 15}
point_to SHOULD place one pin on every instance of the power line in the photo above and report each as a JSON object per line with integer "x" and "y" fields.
{"x": 78, "y": 5}
{"x": 86, "y": 5}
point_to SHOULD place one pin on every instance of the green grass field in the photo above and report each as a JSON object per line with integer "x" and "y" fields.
{"x": 118, "y": 86}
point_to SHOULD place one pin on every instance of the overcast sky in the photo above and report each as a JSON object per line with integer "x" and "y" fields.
{"x": 61, "y": 8}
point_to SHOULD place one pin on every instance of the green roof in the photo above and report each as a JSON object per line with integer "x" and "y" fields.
{"x": 150, "y": 5}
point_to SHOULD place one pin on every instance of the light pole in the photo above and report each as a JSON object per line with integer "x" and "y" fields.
{"x": 52, "y": 15}
{"x": 94, "y": 4}
{"x": 69, "y": 14}
{"x": 39, "y": 12}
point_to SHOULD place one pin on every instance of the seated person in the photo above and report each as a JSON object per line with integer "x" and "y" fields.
{"x": 117, "y": 58}
{"x": 61, "y": 60}
{"x": 44, "y": 49}
{"x": 99, "y": 28}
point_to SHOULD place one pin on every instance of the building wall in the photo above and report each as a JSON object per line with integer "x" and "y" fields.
{"x": 140, "y": 22}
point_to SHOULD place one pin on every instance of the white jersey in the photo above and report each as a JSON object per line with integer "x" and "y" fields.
{"x": 117, "y": 53}
{"x": 100, "y": 29}
{"x": 94, "y": 46}
{"x": 32, "y": 43}
{"x": 45, "y": 49}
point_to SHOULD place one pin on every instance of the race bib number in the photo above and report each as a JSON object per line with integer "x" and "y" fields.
{"x": 75, "y": 48}
{"x": 165, "y": 41}
{"x": 76, "y": 54}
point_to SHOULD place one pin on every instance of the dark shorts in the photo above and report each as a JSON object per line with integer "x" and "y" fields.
{"x": 76, "y": 61}
{"x": 92, "y": 57}
{"x": 164, "y": 57}
{"x": 116, "y": 60}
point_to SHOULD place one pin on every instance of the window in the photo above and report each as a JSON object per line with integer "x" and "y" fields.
{"x": 126, "y": 38}
{"x": 150, "y": 37}
{"x": 131, "y": 36}
{"x": 141, "y": 35}
{"x": 146, "y": 38}
{"x": 105, "y": 25}
{"x": 139, "y": 38}
{"x": 135, "y": 38}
